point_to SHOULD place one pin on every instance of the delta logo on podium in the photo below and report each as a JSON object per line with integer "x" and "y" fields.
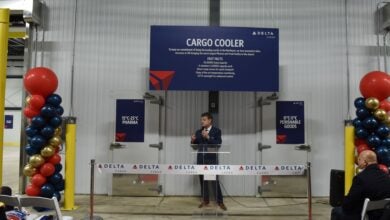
{"x": 161, "y": 79}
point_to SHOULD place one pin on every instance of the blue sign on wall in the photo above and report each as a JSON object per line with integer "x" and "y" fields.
{"x": 290, "y": 122}
{"x": 214, "y": 58}
{"x": 9, "y": 121}
{"x": 130, "y": 120}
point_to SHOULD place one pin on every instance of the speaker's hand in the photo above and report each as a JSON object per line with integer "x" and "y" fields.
{"x": 193, "y": 138}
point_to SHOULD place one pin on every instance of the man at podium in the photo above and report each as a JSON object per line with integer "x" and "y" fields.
{"x": 208, "y": 136}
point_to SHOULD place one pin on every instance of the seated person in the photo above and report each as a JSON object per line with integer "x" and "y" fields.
{"x": 5, "y": 190}
{"x": 371, "y": 183}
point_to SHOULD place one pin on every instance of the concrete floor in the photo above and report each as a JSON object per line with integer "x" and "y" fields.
{"x": 186, "y": 208}
{"x": 148, "y": 208}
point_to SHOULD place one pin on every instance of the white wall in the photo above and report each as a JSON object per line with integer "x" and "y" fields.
{"x": 112, "y": 53}
{"x": 312, "y": 69}
{"x": 13, "y": 98}
{"x": 12, "y": 136}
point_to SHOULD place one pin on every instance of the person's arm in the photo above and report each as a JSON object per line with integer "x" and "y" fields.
{"x": 215, "y": 137}
{"x": 195, "y": 139}
{"x": 355, "y": 195}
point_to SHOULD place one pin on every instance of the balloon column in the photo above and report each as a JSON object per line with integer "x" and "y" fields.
{"x": 372, "y": 124}
{"x": 43, "y": 110}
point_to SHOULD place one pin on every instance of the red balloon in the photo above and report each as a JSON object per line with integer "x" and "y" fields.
{"x": 57, "y": 149}
{"x": 383, "y": 168}
{"x": 385, "y": 105}
{"x": 55, "y": 159}
{"x": 38, "y": 180}
{"x": 375, "y": 84}
{"x": 359, "y": 142}
{"x": 37, "y": 102}
{"x": 362, "y": 148}
{"x": 40, "y": 81}
{"x": 47, "y": 169}
{"x": 32, "y": 190}
{"x": 30, "y": 113}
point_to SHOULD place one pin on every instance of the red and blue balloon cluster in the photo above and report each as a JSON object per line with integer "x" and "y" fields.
{"x": 44, "y": 131}
{"x": 372, "y": 124}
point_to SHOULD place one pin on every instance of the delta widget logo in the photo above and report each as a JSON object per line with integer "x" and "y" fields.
{"x": 161, "y": 79}
{"x": 120, "y": 136}
{"x": 281, "y": 138}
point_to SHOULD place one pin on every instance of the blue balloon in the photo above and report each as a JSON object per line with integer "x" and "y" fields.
{"x": 370, "y": 123}
{"x": 360, "y": 102}
{"x": 60, "y": 186}
{"x": 38, "y": 141}
{"x": 29, "y": 140}
{"x": 383, "y": 131}
{"x": 55, "y": 121}
{"x": 361, "y": 133}
{"x": 357, "y": 123}
{"x": 38, "y": 121}
{"x": 57, "y": 195}
{"x": 58, "y": 167}
{"x": 59, "y": 110}
{"x": 54, "y": 100}
{"x": 30, "y": 150}
{"x": 47, "y": 131}
{"x": 47, "y": 190}
{"x": 383, "y": 154}
{"x": 55, "y": 178}
{"x": 48, "y": 111}
{"x": 373, "y": 140}
{"x": 31, "y": 131}
{"x": 362, "y": 113}
{"x": 386, "y": 142}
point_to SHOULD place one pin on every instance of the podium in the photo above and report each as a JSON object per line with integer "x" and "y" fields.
{"x": 211, "y": 189}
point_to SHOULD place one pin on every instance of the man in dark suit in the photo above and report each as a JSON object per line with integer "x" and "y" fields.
{"x": 371, "y": 183}
{"x": 205, "y": 137}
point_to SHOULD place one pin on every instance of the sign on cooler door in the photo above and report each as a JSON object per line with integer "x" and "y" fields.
{"x": 9, "y": 121}
{"x": 130, "y": 117}
{"x": 290, "y": 122}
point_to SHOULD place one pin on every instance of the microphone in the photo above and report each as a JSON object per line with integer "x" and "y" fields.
{"x": 204, "y": 129}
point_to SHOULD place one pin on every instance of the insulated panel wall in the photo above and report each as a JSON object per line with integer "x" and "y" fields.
{"x": 313, "y": 68}
{"x": 183, "y": 119}
{"x": 112, "y": 54}
{"x": 237, "y": 122}
{"x": 363, "y": 42}
{"x": 312, "y": 64}
{"x": 235, "y": 119}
